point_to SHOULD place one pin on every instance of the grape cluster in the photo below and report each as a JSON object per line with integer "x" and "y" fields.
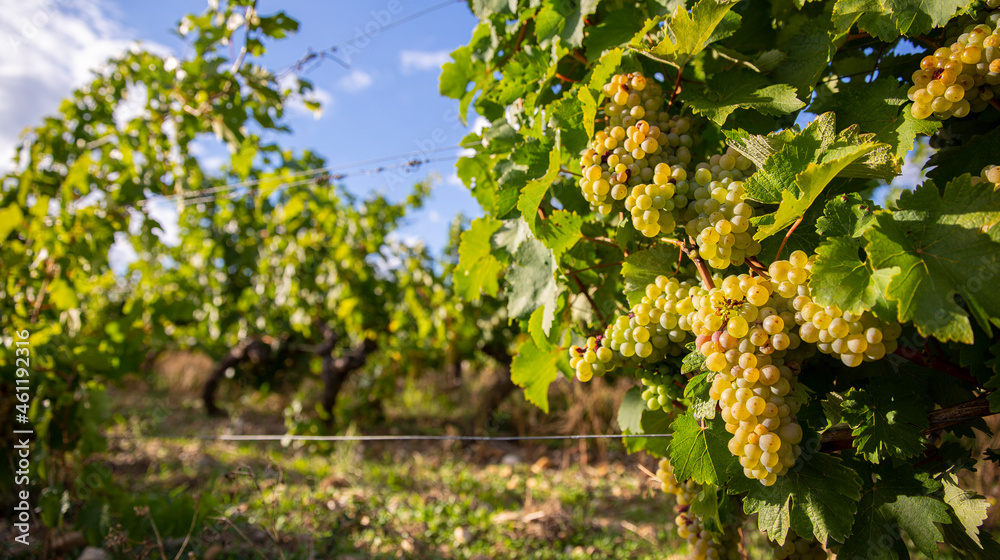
{"x": 743, "y": 332}
{"x": 798, "y": 548}
{"x": 852, "y": 338}
{"x": 689, "y": 527}
{"x": 662, "y": 389}
{"x": 650, "y": 332}
{"x": 960, "y": 78}
{"x": 633, "y": 155}
{"x": 719, "y": 216}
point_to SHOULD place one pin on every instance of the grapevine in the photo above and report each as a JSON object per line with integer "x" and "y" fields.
{"x": 784, "y": 325}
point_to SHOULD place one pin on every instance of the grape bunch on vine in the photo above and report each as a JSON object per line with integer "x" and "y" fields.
{"x": 709, "y": 198}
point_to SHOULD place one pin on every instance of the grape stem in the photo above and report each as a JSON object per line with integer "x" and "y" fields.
{"x": 602, "y": 265}
{"x": 692, "y": 253}
{"x": 586, "y": 294}
{"x": 787, "y": 236}
{"x": 603, "y": 241}
{"x": 756, "y": 266}
{"x": 995, "y": 103}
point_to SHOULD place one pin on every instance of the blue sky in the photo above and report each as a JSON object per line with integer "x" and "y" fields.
{"x": 385, "y": 103}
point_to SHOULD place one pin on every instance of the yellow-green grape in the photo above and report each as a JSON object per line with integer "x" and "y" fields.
{"x": 702, "y": 544}
{"x": 662, "y": 390}
{"x": 852, "y": 338}
{"x": 959, "y": 78}
{"x": 989, "y": 174}
{"x": 636, "y": 141}
{"x": 718, "y": 216}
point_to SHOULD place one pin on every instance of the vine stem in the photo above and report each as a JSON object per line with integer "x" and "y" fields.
{"x": 602, "y": 265}
{"x": 995, "y": 103}
{"x": 601, "y": 240}
{"x": 791, "y": 230}
{"x": 699, "y": 263}
{"x": 840, "y": 436}
{"x": 586, "y": 294}
{"x": 919, "y": 359}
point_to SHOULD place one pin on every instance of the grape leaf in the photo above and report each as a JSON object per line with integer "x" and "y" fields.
{"x": 969, "y": 509}
{"x": 653, "y": 422}
{"x": 572, "y": 33}
{"x": 588, "y": 103}
{"x": 10, "y": 218}
{"x": 696, "y": 393}
{"x": 689, "y": 33}
{"x": 970, "y": 157}
{"x": 809, "y": 182}
{"x": 840, "y": 277}
{"x": 886, "y": 419}
{"x": 848, "y": 215}
{"x": 700, "y": 453}
{"x": 888, "y": 19}
{"x": 630, "y": 411}
{"x": 477, "y": 266}
{"x": 616, "y": 29}
{"x": 642, "y": 267}
{"x": 742, "y": 89}
{"x": 535, "y": 369}
{"x": 534, "y": 191}
{"x": 484, "y": 9}
{"x": 817, "y": 497}
{"x": 894, "y": 499}
{"x": 560, "y": 231}
{"x": 511, "y": 235}
{"x": 531, "y": 282}
{"x": 944, "y": 245}
{"x": 808, "y": 45}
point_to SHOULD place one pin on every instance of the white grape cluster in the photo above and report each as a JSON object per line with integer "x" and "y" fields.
{"x": 743, "y": 330}
{"x": 662, "y": 389}
{"x": 798, "y": 548}
{"x": 701, "y": 543}
{"x": 650, "y": 332}
{"x": 636, "y": 145}
{"x": 852, "y": 338}
{"x": 962, "y": 77}
{"x": 718, "y": 217}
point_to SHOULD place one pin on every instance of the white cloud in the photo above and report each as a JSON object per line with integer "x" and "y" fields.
{"x": 354, "y": 82}
{"x": 454, "y": 181}
{"x": 414, "y": 61}
{"x": 46, "y": 50}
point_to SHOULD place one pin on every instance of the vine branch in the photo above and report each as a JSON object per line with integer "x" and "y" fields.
{"x": 586, "y": 294}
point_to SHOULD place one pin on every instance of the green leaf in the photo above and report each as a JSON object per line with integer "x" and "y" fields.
{"x": 588, "y": 102}
{"x": 484, "y": 9}
{"x": 880, "y": 108}
{"x": 808, "y": 43}
{"x": 894, "y": 499}
{"x": 810, "y": 184}
{"x": 560, "y": 231}
{"x": 848, "y": 215}
{"x": 970, "y": 157}
{"x": 62, "y": 295}
{"x": 477, "y": 266}
{"x": 653, "y": 422}
{"x": 630, "y": 411}
{"x": 535, "y": 369}
{"x": 840, "y": 277}
{"x": 615, "y": 30}
{"x": 531, "y": 283}
{"x": 534, "y": 191}
{"x": 888, "y": 19}
{"x": 572, "y": 33}
{"x": 816, "y": 498}
{"x": 742, "y": 89}
{"x": 706, "y": 504}
{"x": 689, "y": 33}
{"x": 700, "y": 454}
{"x": 944, "y": 246}
{"x": 886, "y": 420}
{"x": 539, "y": 333}
{"x": 696, "y": 393}
{"x": 968, "y": 508}
{"x": 642, "y": 267}
{"x": 10, "y": 219}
